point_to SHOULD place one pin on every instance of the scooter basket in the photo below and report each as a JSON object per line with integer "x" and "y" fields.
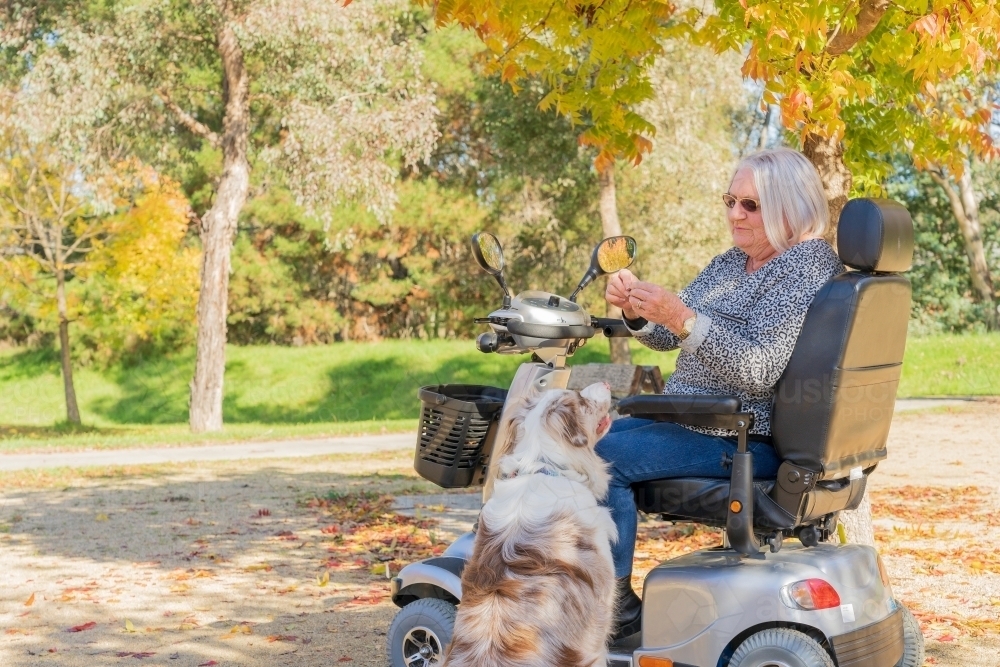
{"x": 458, "y": 423}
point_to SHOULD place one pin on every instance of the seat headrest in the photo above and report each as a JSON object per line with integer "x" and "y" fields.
{"x": 875, "y": 235}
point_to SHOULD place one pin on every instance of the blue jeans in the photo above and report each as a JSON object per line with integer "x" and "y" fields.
{"x": 641, "y": 449}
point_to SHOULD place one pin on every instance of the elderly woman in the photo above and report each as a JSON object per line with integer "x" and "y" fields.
{"x": 736, "y": 325}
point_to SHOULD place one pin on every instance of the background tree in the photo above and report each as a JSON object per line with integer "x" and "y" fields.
{"x": 48, "y": 224}
{"x": 323, "y": 90}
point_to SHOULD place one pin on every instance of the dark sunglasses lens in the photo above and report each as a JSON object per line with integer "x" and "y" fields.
{"x": 749, "y": 205}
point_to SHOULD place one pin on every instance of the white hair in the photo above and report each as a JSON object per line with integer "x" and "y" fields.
{"x": 792, "y": 201}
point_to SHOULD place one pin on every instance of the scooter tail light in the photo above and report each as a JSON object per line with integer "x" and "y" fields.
{"x": 651, "y": 661}
{"x": 812, "y": 594}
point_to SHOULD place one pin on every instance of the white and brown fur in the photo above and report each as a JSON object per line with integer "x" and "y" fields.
{"x": 539, "y": 588}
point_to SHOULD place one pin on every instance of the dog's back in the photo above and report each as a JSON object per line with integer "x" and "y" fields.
{"x": 539, "y": 588}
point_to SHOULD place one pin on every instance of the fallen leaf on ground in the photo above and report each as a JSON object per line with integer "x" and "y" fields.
{"x": 101, "y": 517}
{"x": 345, "y": 659}
{"x": 282, "y": 638}
{"x": 128, "y": 626}
{"x": 140, "y": 656}
{"x": 208, "y": 664}
{"x": 323, "y": 579}
{"x": 259, "y": 566}
{"x": 30, "y": 601}
{"x": 85, "y": 626}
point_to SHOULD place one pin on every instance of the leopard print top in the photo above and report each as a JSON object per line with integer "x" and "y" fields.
{"x": 746, "y": 326}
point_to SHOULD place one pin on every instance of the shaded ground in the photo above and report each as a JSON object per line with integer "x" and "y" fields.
{"x": 258, "y": 563}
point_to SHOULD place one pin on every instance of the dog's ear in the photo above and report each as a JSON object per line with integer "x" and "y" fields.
{"x": 511, "y": 428}
{"x": 563, "y": 419}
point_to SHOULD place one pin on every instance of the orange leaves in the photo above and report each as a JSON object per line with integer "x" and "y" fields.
{"x": 30, "y": 601}
{"x": 369, "y": 535}
{"x": 927, "y": 26}
{"x": 81, "y": 628}
{"x": 372, "y": 597}
{"x": 927, "y": 503}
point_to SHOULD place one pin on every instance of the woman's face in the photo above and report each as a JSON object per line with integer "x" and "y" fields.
{"x": 747, "y": 228}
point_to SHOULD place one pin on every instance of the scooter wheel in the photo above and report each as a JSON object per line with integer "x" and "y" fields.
{"x": 420, "y": 632}
{"x": 913, "y": 641}
{"x": 780, "y": 647}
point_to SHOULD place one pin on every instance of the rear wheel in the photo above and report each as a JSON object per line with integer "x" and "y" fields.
{"x": 419, "y": 633}
{"x": 780, "y": 647}
{"x": 913, "y": 641}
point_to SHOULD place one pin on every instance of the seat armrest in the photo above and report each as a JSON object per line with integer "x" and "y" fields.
{"x": 689, "y": 409}
{"x": 671, "y": 404}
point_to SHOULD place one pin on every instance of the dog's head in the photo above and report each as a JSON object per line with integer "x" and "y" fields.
{"x": 560, "y": 427}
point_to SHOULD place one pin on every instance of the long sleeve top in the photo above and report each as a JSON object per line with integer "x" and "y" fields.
{"x": 746, "y": 326}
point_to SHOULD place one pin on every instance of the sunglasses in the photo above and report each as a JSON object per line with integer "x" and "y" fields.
{"x": 749, "y": 205}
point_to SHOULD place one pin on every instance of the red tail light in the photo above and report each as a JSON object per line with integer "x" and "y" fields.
{"x": 812, "y": 594}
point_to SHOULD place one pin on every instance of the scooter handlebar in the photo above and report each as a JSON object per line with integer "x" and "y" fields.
{"x": 554, "y": 331}
{"x": 612, "y": 328}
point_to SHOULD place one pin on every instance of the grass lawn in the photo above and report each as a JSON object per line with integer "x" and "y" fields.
{"x": 342, "y": 389}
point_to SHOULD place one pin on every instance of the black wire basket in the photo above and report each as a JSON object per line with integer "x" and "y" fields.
{"x": 458, "y": 424}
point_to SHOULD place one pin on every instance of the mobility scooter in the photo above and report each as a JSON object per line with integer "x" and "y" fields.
{"x": 777, "y": 591}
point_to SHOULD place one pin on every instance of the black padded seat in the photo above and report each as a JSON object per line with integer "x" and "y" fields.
{"x": 834, "y": 402}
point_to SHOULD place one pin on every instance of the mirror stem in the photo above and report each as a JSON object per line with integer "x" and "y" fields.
{"x": 586, "y": 280}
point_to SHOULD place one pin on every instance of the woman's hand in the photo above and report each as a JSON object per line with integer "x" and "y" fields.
{"x": 658, "y": 305}
{"x": 617, "y": 292}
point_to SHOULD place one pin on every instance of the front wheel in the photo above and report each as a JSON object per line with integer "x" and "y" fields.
{"x": 913, "y": 641}
{"x": 420, "y": 632}
{"x": 780, "y": 647}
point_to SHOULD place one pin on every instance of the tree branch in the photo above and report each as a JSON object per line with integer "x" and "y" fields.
{"x": 870, "y": 13}
{"x": 189, "y": 121}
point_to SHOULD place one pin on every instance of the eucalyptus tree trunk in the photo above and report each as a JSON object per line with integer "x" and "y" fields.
{"x": 72, "y": 410}
{"x": 218, "y": 231}
{"x": 827, "y": 155}
{"x": 965, "y": 207}
{"x": 611, "y": 226}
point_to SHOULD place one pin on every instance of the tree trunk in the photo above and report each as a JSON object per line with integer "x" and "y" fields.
{"x": 72, "y": 411}
{"x": 611, "y": 226}
{"x": 858, "y": 527}
{"x": 965, "y": 207}
{"x": 827, "y": 155}
{"x": 218, "y": 230}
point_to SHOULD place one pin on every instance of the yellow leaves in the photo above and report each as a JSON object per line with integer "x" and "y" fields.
{"x": 236, "y": 630}
{"x": 101, "y": 517}
{"x": 323, "y": 579}
{"x": 30, "y": 601}
{"x": 258, "y": 567}
{"x": 129, "y": 627}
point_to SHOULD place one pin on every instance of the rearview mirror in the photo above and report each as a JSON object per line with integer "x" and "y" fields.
{"x": 489, "y": 255}
{"x": 612, "y": 254}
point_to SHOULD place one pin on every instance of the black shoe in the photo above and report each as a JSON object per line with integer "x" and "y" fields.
{"x": 628, "y": 609}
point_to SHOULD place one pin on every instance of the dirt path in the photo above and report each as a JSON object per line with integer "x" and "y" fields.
{"x": 226, "y": 563}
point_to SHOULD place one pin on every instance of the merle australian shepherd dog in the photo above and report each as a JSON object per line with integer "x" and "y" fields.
{"x": 539, "y": 589}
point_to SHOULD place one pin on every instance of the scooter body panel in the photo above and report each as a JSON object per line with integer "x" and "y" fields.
{"x": 695, "y": 606}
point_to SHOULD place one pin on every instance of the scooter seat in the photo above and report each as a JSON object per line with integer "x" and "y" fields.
{"x": 706, "y": 500}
